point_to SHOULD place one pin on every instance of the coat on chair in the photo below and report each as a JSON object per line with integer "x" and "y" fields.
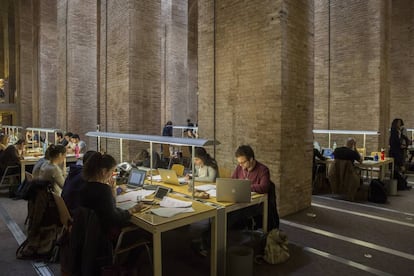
{"x": 344, "y": 179}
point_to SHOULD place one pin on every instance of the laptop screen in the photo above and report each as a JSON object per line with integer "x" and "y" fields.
{"x": 136, "y": 178}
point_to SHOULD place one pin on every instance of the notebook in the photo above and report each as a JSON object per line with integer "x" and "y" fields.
{"x": 136, "y": 178}
{"x": 233, "y": 190}
{"x": 170, "y": 177}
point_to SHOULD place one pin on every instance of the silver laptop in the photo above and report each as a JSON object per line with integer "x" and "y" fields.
{"x": 136, "y": 178}
{"x": 170, "y": 177}
{"x": 233, "y": 190}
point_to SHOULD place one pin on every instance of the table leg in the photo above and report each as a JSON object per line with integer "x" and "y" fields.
{"x": 22, "y": 172}
{"x": 265, "y": 213}
{"x": 221, "y": 239}
{"x": 156, "y": 239}
{"x": 213, "y": 249}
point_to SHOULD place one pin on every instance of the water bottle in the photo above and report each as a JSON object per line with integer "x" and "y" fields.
{"x": 376, "y": 157}
{"x": 44, "y": 148}
{"x": 334, "y": 146}
{"x": 77, "y": 151}
{"x": 382, "y": 154}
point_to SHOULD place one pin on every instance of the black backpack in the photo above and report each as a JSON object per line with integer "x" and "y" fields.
{"x": 377, "y": 192}
{"x": 402, "y": 183}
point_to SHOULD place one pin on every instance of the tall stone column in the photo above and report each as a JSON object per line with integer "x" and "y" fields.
{"x": 130, "y": 71}
{"x": 256, "y": 88}
{"x": 78, "y": 89}
{"x": 352, "y": 69}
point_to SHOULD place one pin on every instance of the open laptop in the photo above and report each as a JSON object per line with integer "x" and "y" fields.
{"x": 136, "y": 179}
{"x": 170, "y": 177}
{"x": 327, "y": 152}
{"x": 233, "y": 190}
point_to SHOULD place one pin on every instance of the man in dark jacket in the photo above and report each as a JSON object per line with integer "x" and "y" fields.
{"x": 348, "y": 152}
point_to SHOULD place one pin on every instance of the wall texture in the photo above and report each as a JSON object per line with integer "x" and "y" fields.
{"x": 252, "y": 91}
{"x": 402, "y": 62}
{"x": 352, "y": 69}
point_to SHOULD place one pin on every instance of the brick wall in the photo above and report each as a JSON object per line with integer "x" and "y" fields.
{"x": 48, "y": 65}
{"x": 25, "y": 77}
{"x": 351, "y": 67}
{"x": 260, "y": 98}
{"x": 402, "y": 62}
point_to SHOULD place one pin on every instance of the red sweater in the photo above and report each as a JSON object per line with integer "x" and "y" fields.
{"x": 259, "y": 176}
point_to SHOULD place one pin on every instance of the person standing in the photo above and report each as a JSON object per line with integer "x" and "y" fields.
{"x": 396, "y": 148}
{"x": 168, "y": 129}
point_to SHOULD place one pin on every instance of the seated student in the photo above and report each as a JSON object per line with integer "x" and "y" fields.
{"x": 98, "y": 197}
{"x": 74, "y": 184}
{"x": 9, "y": 157}
{"x": 60, "y": 139}
{"x": 343, "y": 177}
{"x": 348, "y": 152}
{"x": 143, "y": 159}
{"x": 51, "y": 171}
{"x": 99, "y": 191}
{"x": 317, "y": 155}
{"x": 20, "y": 146}
{"x": 4, "y": 141}
{"x": 259, "y": 175}
{"x": 251, "y": 169}
{"x": 76, "y": 141}
{"x": 206, "y": 169}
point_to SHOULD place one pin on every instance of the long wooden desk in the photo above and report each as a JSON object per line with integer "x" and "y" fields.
{"x": 157, "y": 225}
{"x": 382, "y": 165}
{"x": 369, "y": 165}
{"x": 223, "y": 208}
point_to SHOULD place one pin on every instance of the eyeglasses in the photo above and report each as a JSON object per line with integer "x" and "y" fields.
{"x": 243, "y": 162}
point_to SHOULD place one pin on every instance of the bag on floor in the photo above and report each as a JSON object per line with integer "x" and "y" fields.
{"x": 276, "y": 250}
{"x": 402, "y": 183}
{"x": 377, "y": 192}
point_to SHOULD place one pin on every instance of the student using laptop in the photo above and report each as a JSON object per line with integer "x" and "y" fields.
{"x": 259, "y": 175}
{"x": 206, "y": 169}
{"x": 250, "y": 169}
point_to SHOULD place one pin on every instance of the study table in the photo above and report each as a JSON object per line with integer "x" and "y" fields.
{"x": 222, "y": 209}
{"x": 368, "y": 165}
{"x": 157, "y": 225}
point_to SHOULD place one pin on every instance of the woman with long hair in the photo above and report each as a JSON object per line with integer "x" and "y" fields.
{"x": 206, "y": 169}
{"x": 99, "y": 192}
{"x": 51, "y": 170}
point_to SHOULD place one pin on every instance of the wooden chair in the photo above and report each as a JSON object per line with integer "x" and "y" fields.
{"x": 10, "y": 173}
{"x": 178, "y": 168}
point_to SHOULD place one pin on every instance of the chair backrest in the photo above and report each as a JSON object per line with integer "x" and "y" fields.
{"x": 224, "y": 172}
{"x": 64, "y": 214}
{"x": 10, "y": 171}
{"x": 178, "y": 168}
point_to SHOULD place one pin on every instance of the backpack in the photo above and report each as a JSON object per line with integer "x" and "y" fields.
{"x": 402, "y": 183}
{"x": 276, "y": 250}
{"x": 377, "y": 192}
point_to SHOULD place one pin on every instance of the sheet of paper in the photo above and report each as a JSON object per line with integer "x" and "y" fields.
{"x": 205, "y": 187}
{"x": 212, "y": 193}
{"x": 176, "y": 203}
{"x": 133, "y": 195}
{"x": 126, "y": 205}
{"x": 169, "y": 212}
{"x": 156, "y": 178}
